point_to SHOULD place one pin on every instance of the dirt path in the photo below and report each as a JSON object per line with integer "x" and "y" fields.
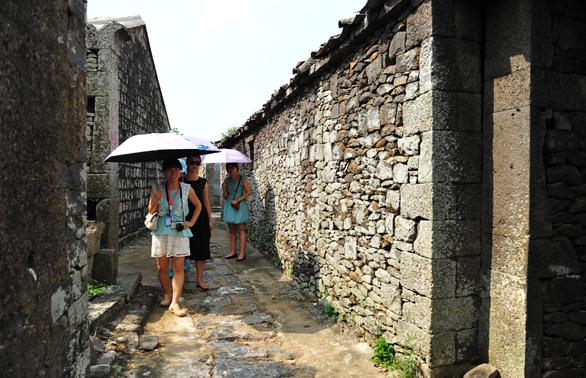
{"x": 252, "y": 322}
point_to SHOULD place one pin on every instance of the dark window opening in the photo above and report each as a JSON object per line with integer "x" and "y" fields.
{"x": 91, "y": 209}
{"x": 91, "y": 104}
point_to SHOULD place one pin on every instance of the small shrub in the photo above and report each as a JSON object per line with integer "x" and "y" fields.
{"x": 384, "y": 353}
{"x": 95, "y": 289}
{"x": 330, "y": 310}
{"x": 290, "y": 271}
{"x": 384, "y": 356}
{"x": 119, "y": 369}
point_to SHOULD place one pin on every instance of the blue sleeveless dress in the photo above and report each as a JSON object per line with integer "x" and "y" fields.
{"x": 235, "y": 191}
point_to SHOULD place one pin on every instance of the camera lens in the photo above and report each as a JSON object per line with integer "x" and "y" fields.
{"x": 179, "y": 226}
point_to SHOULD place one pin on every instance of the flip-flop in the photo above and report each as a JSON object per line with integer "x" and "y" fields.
{"x": 204, "y": 288}
{"x": 230, "y": 257}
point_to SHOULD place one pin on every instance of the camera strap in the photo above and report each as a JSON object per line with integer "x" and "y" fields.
{"x": 170, "y": 200}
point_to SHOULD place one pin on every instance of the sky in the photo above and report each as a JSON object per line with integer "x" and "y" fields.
{"x": 219, "y": 61}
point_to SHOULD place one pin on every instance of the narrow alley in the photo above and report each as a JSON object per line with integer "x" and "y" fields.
{"x": 252, "y": 322}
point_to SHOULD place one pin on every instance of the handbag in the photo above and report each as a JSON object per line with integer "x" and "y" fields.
{"x": 151, "y": 221}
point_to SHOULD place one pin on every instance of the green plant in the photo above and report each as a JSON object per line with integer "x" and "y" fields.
{"x": 95, "y": 289}
{"x": 385, "y": 357}
{"x": 175, "y": 130}
{"x": 119, "y": 369}
{"x": 290, "y": 271}
{"x": 384, "y": 353}
{"x": 330, "y": 310}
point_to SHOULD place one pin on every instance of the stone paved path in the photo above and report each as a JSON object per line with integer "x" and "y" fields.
{"x": 252, "y": 322}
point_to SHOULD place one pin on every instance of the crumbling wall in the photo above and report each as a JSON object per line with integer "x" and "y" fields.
{"x": 43, "y": 311}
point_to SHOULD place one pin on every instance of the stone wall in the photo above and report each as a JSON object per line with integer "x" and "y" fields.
{"x": 561, "y": 116}
{"x": 44, "y": 329}
{"x": 141, "y": 111}
{"x": 124, "y": 91}
{"x": 367, "y": 178}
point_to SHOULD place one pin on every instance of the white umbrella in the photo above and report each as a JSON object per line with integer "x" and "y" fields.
{"x": 159, "y": 146}
{"x": 226, "y": 155}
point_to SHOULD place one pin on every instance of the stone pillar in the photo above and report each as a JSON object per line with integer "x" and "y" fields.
{"x": 518, "y": 41}
{"x": 44, "y": 331}
{"x": 447, "y": 198}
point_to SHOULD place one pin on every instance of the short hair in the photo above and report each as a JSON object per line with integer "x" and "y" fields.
{"x": 171, "y": 163}
{"x": 230, "y": 165}
{"x": 193, "y": 155}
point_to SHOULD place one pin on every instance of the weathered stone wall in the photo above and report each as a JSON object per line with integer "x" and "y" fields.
{"x": 562, "y": 119}
{"x": 367, "y": 180}
{"x": 142, "y": 110}
{"x": 128, "y": 101}
{"x": 43, "y": 315}
{"x": 532, "y": 260}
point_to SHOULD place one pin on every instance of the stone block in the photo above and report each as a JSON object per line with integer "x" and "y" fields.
{"x": 105, "y": 267}
{"x": 550, "y": 89}
{"x": 510, "y": 166}
{"x": 456, "y": 201}
{"x": 450, "y": 238}
{"x": 419, "y": 312}
{"x": 457, "y": 19}
{"x": 390, "y": 294}
{"x": 405, "y": 229}
{"x": 483, "y": 371}
{"x": 507, "y": 322}
{"x": 418, "y": 115}
{"x": 417, "y": 201}
{"x": 443, "y": 349}
{"x": 566, "y": 290}
{"x": 467, "y": 276}
{"x": 467, "y": 345}
{"x": 506, "y": 249}
{"x": 457, "y": 111}
{"x": 373, "y": 70}
{"x": 416, "y": 272}
{"x": 107, "y": 212}
{"x": 98, "y": 186}
{"x": 388, "y": 113}
{"x": 455, "y": 314}
{"x": 419, "y": 25}
{"x": 450, "y": 65}
{"x": 552, "y": 257}
{"x": 456, "y": 156}
{"x": 408, "y": 61}
{"x": 397, "y": 45}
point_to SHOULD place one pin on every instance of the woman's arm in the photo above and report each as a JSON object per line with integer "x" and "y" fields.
{"x": 224, "y": 190}
{"x": 247, "y": 191}
{"x": 197, "y": 204}
{"x": 156, "y": 195}
{"x": 206, "y": 202}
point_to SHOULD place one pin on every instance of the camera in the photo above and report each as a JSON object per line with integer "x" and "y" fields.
{"x": 179, "y": 227}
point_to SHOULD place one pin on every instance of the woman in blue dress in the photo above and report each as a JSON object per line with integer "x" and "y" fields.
{"x": 236, "y": 190}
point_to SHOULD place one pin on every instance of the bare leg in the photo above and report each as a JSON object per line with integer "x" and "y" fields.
{"x": 233, "y": 228}
{"x": 242, "y": 237}
{"x": 200, "y": 267}
{"x": 163, "y": 274}
{"x": 178, "y": 278}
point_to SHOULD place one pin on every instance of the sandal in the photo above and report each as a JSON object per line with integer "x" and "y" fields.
{"x": 178, "y": 311}
{"x": 241, "y": 259}
{"x": 165, "y": 302}
{"x": 203, "y": 287}
{"x": 229, "y": 257}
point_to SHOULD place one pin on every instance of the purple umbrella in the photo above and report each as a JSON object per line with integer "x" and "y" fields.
{"x": 226, "y": 155}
